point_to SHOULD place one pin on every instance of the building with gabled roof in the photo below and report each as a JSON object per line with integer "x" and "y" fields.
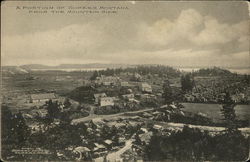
{"x": 97, "y": 96}
{"x": 107, "y": 101}
{"x": 128, "y": 96}
{"x": 42, "y": 97}
{"x": 145, "y": 87}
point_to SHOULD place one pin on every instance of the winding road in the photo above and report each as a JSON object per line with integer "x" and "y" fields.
{"x": 117, "y": 155}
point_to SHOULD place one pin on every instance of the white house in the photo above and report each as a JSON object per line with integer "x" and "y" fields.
{"x": 107, "y": 101}
{"x": 107, "y": 80}
{"x": 124, "y": 84}
{"x": 42, "y": 97}
{"x": 145, "y": 87}
{"x": 98, "y": 96}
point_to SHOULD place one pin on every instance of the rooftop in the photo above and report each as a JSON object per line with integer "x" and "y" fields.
{"x": 43, "y": 96}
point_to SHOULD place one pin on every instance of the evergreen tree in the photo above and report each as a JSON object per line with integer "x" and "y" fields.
{"x": 53, "y": 110}
{"x": 21, "y": 130}
{"x": 6, "y": 124}
{"x": 167, "y": 93}
{"x": 14, "y": 129}
{"x": 187, "y": 83}
{"x": 229, "y": 113}
{"x": 95, "y": 74}
{"x": 67, "y": 103}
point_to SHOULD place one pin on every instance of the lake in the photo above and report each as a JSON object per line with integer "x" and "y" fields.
{"x": 213, "y": 110}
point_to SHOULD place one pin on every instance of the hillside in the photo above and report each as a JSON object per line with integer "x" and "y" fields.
{"x": 13, "y": 70}
{"x": 73, "y": 66}
{"x": 215, "y": 71}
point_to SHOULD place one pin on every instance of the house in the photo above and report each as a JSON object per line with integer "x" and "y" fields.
{"x": 42, "y": 97}
{"x": 134, "y": 117}
{"x": 99, "y": 147}
{"x": 145, "y": 137}
{"x": 133, "y": 100}
{"x": 128, "y": 96}
{"x": 98, "y": 96}
{"x": 159, "y": 94}
{"x": 124, "y": 84}
{"x": 145, "y": 130}
{"x": 157, "y": 127}
{"x": 116, "y": 124}
{"x": 121, "y": 140}
{"x": 107, "y": 80}
{"x": 129, "y": 90}
{"x": 136, "y": 77}
{"x": 146, "y": 114}
{"x": 107, "y": 83}
{"x": 108, "y": 142}
{"x": 36, "y": 127}
{"x": 42, "y": 113}
{"x": 189, "y": 98}
{"x": 106, "y": 101}
{"x": 82, "y": 151}
{"x": 177, "y": 85}
{"x": 84, "y": 82}
{"x": 145, "y": 87}
{"x": 238, "y": 97}
{"x": 172, "y": 106}
{"x": 147, "y": 97}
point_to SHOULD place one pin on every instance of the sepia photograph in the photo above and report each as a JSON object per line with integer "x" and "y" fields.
{"x": 124, "y": 81}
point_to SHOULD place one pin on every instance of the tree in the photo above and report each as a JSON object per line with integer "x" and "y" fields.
{"x": 21, "y": 129}
{"x": 14, "y": 132}
{"x": 6, "y": 124}
{"x": 83, "y": 94}
{"x": 187, "y": 83}
{"x": 67, "y": 103}
{"x": 14, "y": 128}
{"x": 53, "y": 110}
{"x": 95, "y": 74}
{"x": 167, "y": 93}
{"x": 229, "y": 113}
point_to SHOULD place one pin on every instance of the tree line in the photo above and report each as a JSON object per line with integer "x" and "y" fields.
{"x": 142, "y": 70}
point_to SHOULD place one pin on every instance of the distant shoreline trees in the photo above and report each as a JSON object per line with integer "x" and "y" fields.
{"x": 215, "y": 71}
{"x": 141, "y": 69}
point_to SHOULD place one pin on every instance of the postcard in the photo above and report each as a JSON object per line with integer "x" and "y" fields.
{"x": 118, "y": 81}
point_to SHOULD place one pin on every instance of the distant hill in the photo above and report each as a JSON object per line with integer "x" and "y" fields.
{"x": 35, "y": 66}
{"x": 73, "y": 66}
{"x": 13, "y": 70}
{"x": 215, "y": 71}
{"x": 143, "y": 68}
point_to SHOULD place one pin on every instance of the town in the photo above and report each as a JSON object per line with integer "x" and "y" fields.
{"x": 139, "y": 113}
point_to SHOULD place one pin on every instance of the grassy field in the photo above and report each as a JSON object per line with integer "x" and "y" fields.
{"x": 213, "y": 110}
{"x": 45, "y": 80}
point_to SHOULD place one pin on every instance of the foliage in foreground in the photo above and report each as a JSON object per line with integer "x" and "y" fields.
{"x": 193, "y": 144}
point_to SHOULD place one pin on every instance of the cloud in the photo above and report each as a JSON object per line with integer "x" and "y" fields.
{"x": 69, "y": 42}
{"x": 192, "y": 39}
{"x": 191, "y": 29}
{"x": 218, "y": 33}
{"x": 164, "y": 32}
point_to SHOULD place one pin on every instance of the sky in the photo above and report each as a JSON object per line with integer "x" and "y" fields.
{"x": 169, "y": 33}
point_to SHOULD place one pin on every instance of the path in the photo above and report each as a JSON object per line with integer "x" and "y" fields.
{"x": 117, "y": 155}
{"x": 93, "y": 116}
{"x": 245, "y": 131}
